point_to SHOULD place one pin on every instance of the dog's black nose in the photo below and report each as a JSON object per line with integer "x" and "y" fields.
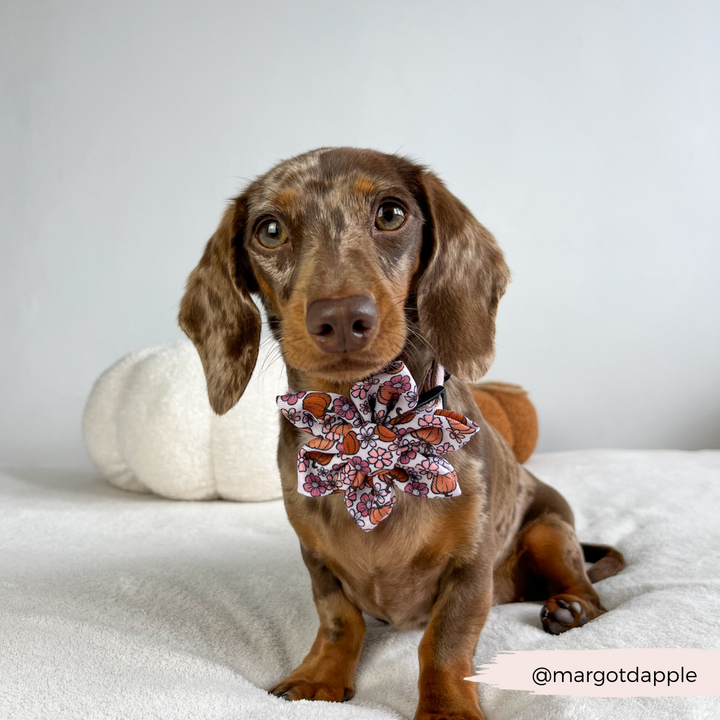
{"x": 342, "y": 324}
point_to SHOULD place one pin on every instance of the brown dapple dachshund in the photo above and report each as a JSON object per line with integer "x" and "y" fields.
{"x": 362, "y": 258}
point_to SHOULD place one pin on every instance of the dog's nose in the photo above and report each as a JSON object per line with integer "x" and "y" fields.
{"x": 343, "y": 324}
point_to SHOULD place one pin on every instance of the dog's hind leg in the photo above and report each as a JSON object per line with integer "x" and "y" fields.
{"x": 551, "y": 559}
{"x": 550, "y": 563}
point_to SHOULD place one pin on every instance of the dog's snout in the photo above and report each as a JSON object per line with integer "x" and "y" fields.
{"x": 342, "y": 324}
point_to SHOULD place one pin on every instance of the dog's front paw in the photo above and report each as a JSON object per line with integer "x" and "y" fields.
{"x": 296, "y": 688}
{"x": 564, "y": 612}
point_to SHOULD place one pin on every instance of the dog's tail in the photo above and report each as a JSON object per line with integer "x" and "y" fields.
{"x": 606, "y": 561}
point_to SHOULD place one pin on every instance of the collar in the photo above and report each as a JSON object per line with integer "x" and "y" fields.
{"x": 435, "y": 382}
{"x": 382, "y": 438}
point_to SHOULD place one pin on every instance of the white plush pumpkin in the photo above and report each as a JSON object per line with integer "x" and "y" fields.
{"x": 149, "y": 427}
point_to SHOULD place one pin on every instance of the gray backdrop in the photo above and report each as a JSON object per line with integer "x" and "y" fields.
{"x": 584, "y": 135}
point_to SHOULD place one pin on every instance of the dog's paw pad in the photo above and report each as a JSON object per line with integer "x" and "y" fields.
{"x": 562, "y": 613}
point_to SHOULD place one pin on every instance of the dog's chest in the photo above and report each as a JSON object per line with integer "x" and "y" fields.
{"x": 400, "y": 594}
{"x": 392, "y": 572}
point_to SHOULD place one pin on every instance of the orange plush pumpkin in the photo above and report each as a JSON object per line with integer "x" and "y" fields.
{"x": 509, "y": 410}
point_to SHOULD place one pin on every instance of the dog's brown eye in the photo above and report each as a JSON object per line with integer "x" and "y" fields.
{"x": 271, "y": 234}
{"x": 390, "y": 216}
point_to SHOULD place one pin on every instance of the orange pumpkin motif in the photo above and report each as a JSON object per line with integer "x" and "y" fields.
{"x": 318, "y": 443}
{"x": 444, "y": 483}
{"x": 406, "y": 418}
{"x": 397, "y": 474}
{"x": 461, "y": 427}
{"x": 316, "y": 403}
{"x": 451, "y": 414}
{"x": 431, "y": 435}
{"x": 359, "y": 479}
{"x": 377, "y": 514}
{"x": 319, "y": 457}
{"x": 385, "y": 433}
{"x": 350, "y": 444}
{"x": 341, "y": 428}
{"x": 386, "y": 394}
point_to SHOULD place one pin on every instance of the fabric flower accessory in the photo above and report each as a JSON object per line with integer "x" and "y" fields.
{"x": 378, "y": 439}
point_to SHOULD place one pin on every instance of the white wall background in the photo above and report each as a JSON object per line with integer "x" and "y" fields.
{"x": 585, "y": 135}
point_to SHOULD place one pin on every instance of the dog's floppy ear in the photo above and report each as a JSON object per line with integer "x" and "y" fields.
{"x": 219, "y": 316}
{"x": 460, "y": 288}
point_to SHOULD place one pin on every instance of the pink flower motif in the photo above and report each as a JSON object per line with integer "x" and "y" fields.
{"x": 428, "y": 467}
{"x": 292, "y": 414}
{"x": 359, "y": 465}
{"x": 359, "y": 390}
{"x": 303, "y": 463}
{"x": 365, "y": 505}
{"x": 407, "y": 455}
{"x": 344, "y": 408}
{"x": 401, "y": 383}
{"x": 444, "y": 449}
{"x": 350, "y": 497}
{"x": 314, "y": 485}
{"x": 456, "y": 434}
{"x": 334, "y": 481}
{"x": 366, "y": 436}
{"x": 382, "y": 490}
{"x": 379, "y": 458}
{"x": 292, "y": 398}
{"x": 430, "y": 421}
{"x": 416, "y": 488}
{"x": 347, "y": 474}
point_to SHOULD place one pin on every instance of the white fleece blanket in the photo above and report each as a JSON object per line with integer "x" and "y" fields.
{"x": 116, "y": 605}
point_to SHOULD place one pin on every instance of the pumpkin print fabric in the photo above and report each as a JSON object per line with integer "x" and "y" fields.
{"x": 375, "y": 441}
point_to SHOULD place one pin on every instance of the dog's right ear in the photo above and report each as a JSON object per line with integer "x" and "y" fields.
{"x": 218, "y": 314}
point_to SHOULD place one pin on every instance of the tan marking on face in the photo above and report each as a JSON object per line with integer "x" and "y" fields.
{"x": 287, "y": 200}
{"x": 265, "y": 287}
{"x": 365, "y": 186}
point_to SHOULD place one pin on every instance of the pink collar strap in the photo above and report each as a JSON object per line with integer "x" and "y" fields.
{"x": 381, "y": 438}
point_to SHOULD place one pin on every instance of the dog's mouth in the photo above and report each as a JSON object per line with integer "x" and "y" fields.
{"x": 349, "y": 369}
{"x": 344, "y": 368}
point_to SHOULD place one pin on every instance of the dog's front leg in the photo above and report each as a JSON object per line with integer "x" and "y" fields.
{"x": 328, "y": 671}
{"x": 448, "y": 645}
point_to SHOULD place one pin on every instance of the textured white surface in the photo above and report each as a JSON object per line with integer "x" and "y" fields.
{"x": 148, "y": 426}
{"x": 119, "y": 606}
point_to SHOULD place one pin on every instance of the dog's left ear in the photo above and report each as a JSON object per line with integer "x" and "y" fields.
{"x": 218, "y": 314}
{"x": 460, "y": 288}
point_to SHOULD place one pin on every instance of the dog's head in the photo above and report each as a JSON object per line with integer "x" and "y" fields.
{"x": 351, "y": 252}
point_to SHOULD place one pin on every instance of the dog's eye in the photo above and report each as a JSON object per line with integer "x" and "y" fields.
{"x": 271, "y": 234}
{"x": 390, "y": 216}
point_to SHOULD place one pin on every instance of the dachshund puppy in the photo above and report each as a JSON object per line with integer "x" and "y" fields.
{"x": 361, "y": 259}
